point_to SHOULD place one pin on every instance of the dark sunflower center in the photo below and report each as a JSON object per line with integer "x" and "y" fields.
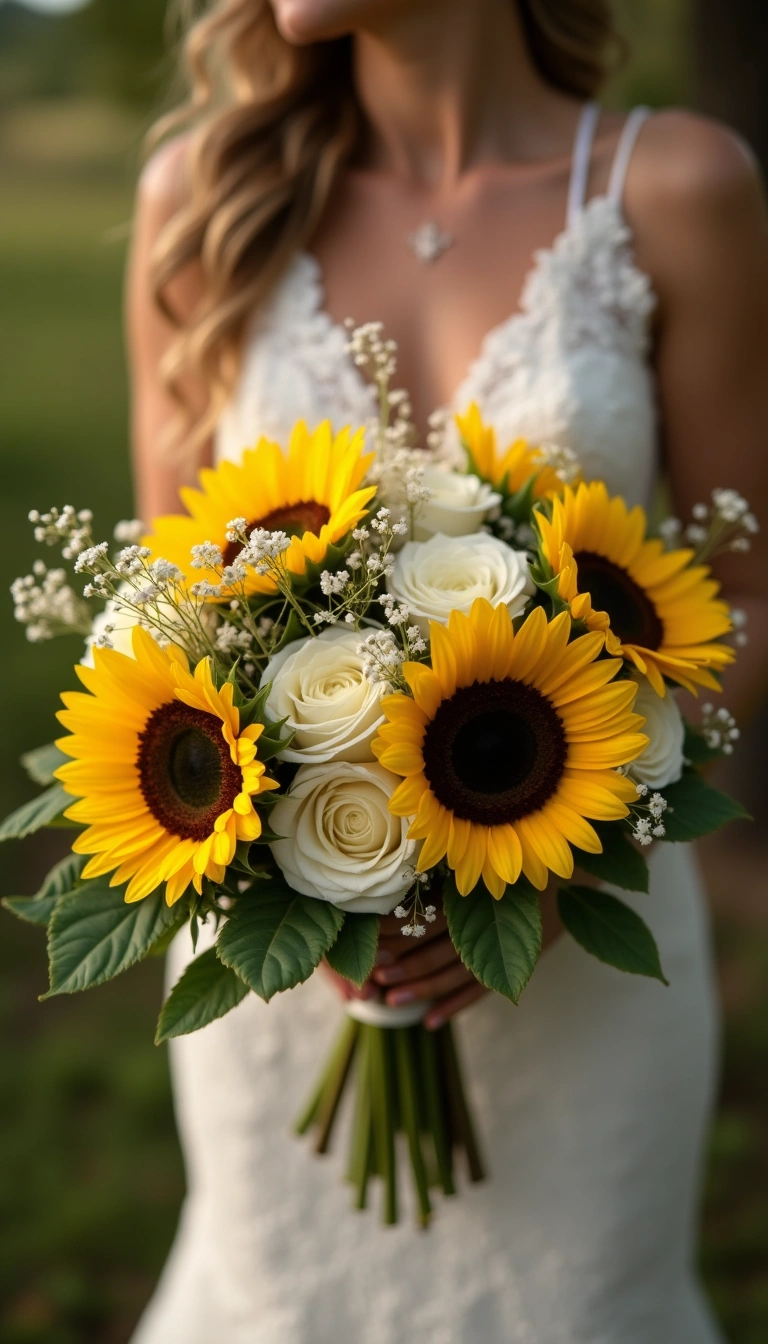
{"x": 632, "y": 615}
{"x": 186, "y": 773}
{"x": 293, "y": 519}
{"x": 494, "y": 752}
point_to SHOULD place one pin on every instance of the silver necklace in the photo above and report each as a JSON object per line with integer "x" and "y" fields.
{"x": 429, "y": 242}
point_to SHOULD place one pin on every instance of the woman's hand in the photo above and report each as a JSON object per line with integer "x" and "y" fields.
{"x": 409, "y": 971}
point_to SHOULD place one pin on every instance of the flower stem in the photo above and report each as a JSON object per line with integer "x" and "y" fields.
{"x": 409, "y": 1084}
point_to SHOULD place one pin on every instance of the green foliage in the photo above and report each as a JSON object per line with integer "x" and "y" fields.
{"x": 94, "y": 934}
{"x": 274, "y": 937}
{"x": 205, "y": 991}
{"x": 41, "y": 763}
{"x": 609, "y": 930}
{"x": 620, "y": 864}
{"x": 499, "y": 941}
{"x": 63, "y": 878}
{"x": 696, "y": 809}
{"x": 38, "y": 812}
{"x": 353, "y": 955}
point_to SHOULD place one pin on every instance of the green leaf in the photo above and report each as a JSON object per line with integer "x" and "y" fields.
{"x": 206, "y": 990}
{"x": 63, "y": 877}
{"x": 271, "y": 742}
{"x": 353, "y": 955}
{"x": 609, "y": 930}
{"x": 41, "y": 763}
{"x": 94, "y": 934}
{"x": 274, "y": 938}
{"x": 498, "y": 941}
{"x": 696, "y": 809}
{"x": 38, "y": 812}
{"x": 620, "y": 864}
{"x": 696, "y": 749}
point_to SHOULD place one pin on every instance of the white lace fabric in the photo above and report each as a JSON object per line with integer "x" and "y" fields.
{"x": 592, "y": 1097}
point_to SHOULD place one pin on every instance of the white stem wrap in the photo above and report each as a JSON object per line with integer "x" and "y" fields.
{"x": 375, "y": 1014}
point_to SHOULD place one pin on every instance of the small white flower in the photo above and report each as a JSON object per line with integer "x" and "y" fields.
{"x": 129, "y": 531}
{"x": 207, "y": 555}
{"x": 91, "y": 558}
{"x": 164, "y": 572}
{"x": 236, "y": 528}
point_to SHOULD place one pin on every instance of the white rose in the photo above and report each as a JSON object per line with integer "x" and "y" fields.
{"x": 446, "y": 574}
{"x": 341, "y": 843}
{"x": 662, "y": 761}
{"x": 319, "y": 686}
{"x": 458, "y": 507}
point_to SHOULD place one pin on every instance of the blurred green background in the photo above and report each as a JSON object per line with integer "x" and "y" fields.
{"x": 90, "y": 1173}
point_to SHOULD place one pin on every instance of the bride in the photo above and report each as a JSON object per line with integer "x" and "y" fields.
{"x": 597, "y": 280}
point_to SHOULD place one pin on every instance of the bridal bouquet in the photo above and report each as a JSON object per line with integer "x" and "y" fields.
{"x": 345, "y": 684}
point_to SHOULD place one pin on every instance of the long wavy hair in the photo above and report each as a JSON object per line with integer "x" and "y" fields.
{"x": 272, "y": 128}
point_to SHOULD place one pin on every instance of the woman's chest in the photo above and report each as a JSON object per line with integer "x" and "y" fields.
{"x": 569, "y": 366}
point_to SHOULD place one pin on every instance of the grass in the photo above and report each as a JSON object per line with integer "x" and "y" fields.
{"x": 90, "y": 1173}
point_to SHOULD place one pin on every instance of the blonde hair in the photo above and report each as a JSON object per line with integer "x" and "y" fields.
{"x": 273, "y": 127}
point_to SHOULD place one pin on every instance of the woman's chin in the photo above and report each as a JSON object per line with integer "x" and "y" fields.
{"x": 302, "y": 22}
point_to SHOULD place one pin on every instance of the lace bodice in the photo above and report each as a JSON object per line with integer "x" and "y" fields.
{"x": 569, "y": 367}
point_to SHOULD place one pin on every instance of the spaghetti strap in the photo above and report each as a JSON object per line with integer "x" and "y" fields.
{"x": 623, "y": 153}
{"x": 582, "y": 154}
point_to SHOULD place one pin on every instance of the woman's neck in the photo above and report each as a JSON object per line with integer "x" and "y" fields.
{"x": 448, "y": 85}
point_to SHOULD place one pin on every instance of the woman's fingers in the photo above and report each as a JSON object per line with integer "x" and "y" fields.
{"x": 452, "y": 977}
{"x": 420, "y": 961}
{"x": 344, "y": 988}
{"x": 452, "y": 1004}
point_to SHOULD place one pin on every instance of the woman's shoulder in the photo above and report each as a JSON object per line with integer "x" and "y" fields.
{"x": 694, "y": 192}
{"x": 684, "y": 156}
{"x": 164, "y": 185}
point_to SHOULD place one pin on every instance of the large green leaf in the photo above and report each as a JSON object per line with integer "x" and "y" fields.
{"x": 620, "y": 864}
{"x": 94, "y": 934}
{"x": 35, "y": 814}
{"x": 353, "y": 955}
{"x": 696, "y": 809}
{"x": 41, "y": 763}
{"x": 498, "y": 941}
{"x": 63, "y": 877}
{"x": 609, "y": 930}
{"x": 206, "y": 990}
{"x": 274, "y": 938}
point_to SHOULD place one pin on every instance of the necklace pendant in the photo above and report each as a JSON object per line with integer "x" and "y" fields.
{"x": 428, "y": 242}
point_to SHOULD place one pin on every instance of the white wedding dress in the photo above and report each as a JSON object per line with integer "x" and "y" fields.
{"x": 592, "y": 1097}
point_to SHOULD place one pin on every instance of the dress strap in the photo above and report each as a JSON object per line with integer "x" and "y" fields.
{"x": 623, "y": 153}
{"x": 582, "y": 154}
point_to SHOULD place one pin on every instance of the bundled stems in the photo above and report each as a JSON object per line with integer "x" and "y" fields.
{"x": 407, "y": 1081}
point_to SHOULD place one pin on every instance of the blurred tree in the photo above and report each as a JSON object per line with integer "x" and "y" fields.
{"x": 127, "y": 43}
{"x": 729, "y": 44}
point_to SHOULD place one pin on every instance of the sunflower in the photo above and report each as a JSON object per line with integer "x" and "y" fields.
{"x": 510, "y": 743}
{"x": 311, "y": 494}
{"x": 510, "y": 469}
{"x": 164, "y": 776}
{"x": 656, "y": 609}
